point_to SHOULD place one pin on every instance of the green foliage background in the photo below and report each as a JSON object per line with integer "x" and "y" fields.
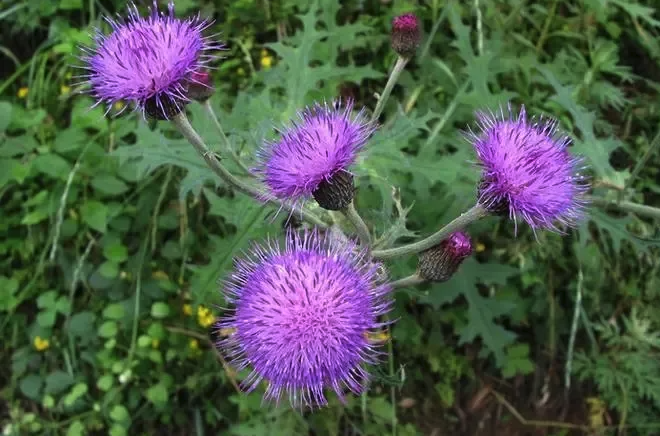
{"x": 112, "y": 226}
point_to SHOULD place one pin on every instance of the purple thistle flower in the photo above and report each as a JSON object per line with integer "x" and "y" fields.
{"x": 303, "y": 317}
{"x": 148, "y": 61}
{"x": 527, "y": 170}
{"x": 315, "y": 151}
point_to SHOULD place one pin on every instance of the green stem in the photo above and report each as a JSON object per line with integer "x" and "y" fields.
{"x": 360, "y": 226}
{"x": 655, "y": 143}
{"x": 411, "y": 280}
{"x": 211, "y": 113}
{"x": 628, "y": 206}
{"x": 546, "y": 27}
{"x": 473, "y": 214}
{"x": 182, "y": 124}
{"x": 391, "y": 81}
{"x": 390, "y": 355}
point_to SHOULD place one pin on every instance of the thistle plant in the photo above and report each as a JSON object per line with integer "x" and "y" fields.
{"x": 304, "y": 312}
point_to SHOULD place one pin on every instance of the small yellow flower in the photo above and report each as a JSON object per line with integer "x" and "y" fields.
{"x": 155, "y": 343}
{"x": 160, "y": 275}
{"x": 194, "y": 344}
{"x": 41, "y": 344}
{"x": 266, "y": 59}
{"x": 64, "y": 89}
{"x": 378, "y": 337}
{"x": 187, "y": 309}
{"x": 480, "y": 247}
{"x": 22, "y": 92}
{"x": 204, "y": 317}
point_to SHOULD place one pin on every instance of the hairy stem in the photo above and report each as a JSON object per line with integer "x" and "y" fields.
{"x": 475, "y": 213}
{"x": 181, "y": 122}
{"x": 360, "y": 226}
{"x": 232, "y": 153}
{"x": 628, "y": 206}
{"x": 391, "y": 81}
{"x": 411, "y": 280}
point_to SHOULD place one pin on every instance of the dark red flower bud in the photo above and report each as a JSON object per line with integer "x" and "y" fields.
{"x": 439, "y": 263}
{"x": 200, "y": 87}
{"x": 406, "y": 35}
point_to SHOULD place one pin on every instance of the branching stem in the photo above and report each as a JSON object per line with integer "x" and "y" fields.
{"x": 182, "y": 124}
{"x": 628, "y": 206}
{"x": 475, "y": 213}
{"x": 216, "y": 122}
{"x": 411, "y": 280}
{"x": 360, "y": 226}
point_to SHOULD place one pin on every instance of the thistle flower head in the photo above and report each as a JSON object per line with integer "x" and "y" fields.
{"x": 303, "y": 318}
{"x": 315, "y": 152}
{"x": 148, "y": 60}
{"x": 439, "y": 263}
{"x": 406, "y": 35}
{"x": 527, "y": 171}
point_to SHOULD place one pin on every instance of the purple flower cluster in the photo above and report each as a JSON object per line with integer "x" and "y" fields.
{"x": 527, "y": 171}
{"x": 148, "y": 61}
{"x": 324, "y": 141}
{"x": 303, "y": 316}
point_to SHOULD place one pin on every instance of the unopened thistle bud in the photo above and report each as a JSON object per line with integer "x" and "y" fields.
{"x": 200, "y": 87}
{"x": 406, "y": 35}
{"x": 439, "y": 263}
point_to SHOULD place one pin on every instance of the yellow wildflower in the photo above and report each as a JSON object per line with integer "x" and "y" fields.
{"x": 204, "y": 317}
{"x": 160, "y": 275}
{"x": 480, "y": 247}
{"x": 266, "y": 59}
{"x": 22, "y": 92}
{"x": 377, "y": 337}
{"x": 64, "y": 89}
{"x": 187, "y": 309}
{"x": 597, "y": 409}
{"x": 41, "y": 344}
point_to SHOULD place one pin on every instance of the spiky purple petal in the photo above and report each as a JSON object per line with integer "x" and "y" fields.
{"x": 302, "y": 318}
